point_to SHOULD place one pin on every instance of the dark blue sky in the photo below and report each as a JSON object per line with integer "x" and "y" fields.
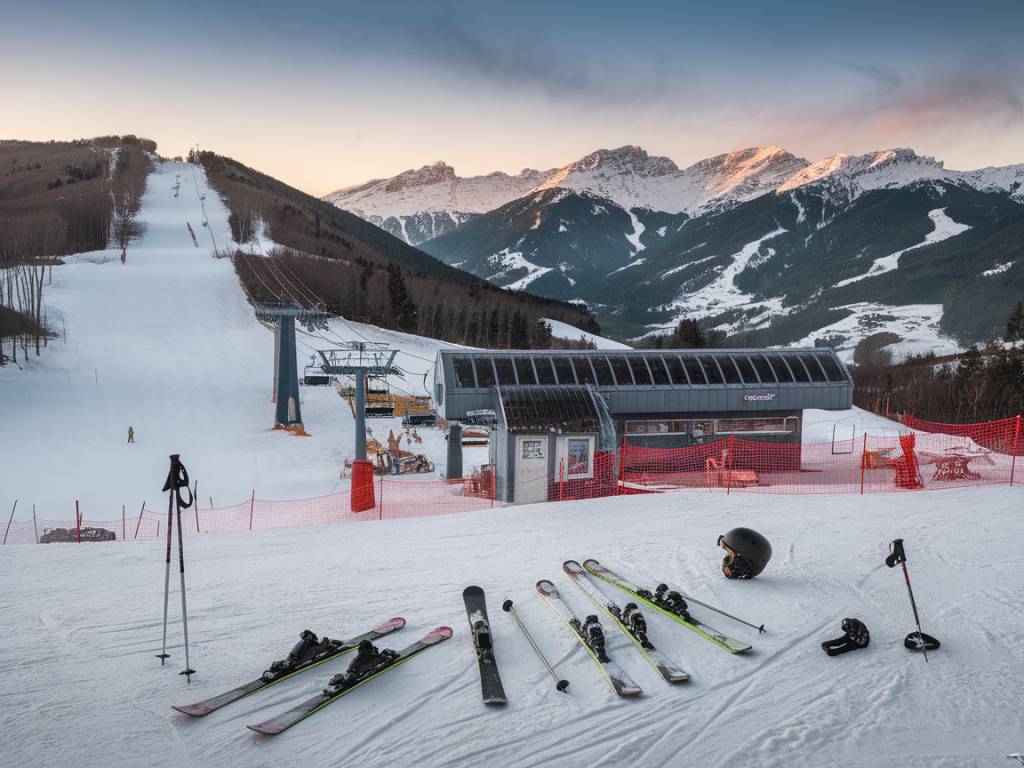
{"x": 330, "y": 93}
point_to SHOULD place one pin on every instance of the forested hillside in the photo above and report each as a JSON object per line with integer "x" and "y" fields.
{"x": 363, "y": 273}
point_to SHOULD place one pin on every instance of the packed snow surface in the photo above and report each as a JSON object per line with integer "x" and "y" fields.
{"x": 82, "y": 625}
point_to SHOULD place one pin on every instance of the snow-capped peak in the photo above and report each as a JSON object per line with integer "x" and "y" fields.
{"x": 632, "y": 178}
{"x": 885, "y": 168}
{"x": 432, "y": 188}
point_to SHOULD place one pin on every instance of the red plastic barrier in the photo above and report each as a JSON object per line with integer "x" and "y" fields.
{"x": 362, "y": 486}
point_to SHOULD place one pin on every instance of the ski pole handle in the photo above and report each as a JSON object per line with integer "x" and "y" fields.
{"x": 560, "y": 684}
{"x": 896, "y": 554}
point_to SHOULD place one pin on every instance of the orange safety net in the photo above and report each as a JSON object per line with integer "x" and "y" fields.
{"x": 937, "y": 456}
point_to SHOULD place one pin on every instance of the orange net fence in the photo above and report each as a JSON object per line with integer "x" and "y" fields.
{"x": 933, "y": 456}
{"x": 394, "y": 499}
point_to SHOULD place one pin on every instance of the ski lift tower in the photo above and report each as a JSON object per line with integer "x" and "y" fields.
{"x": 286, "y": 371}
{"x": 360, "y": 359}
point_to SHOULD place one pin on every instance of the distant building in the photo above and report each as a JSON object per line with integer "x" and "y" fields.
{"x": 564, "y": 411}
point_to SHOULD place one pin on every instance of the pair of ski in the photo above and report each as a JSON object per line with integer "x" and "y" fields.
{"x": 364, "y": 668}
{"x": 673, "y": 604}
{"x": 630, "y": 621}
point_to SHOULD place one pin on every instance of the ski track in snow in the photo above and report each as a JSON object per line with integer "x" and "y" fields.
{"x": 785, "y": 704}
{"x": 944, "y": 229}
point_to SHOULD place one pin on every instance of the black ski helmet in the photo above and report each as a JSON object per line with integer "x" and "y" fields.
{"x": 747, "y": 553}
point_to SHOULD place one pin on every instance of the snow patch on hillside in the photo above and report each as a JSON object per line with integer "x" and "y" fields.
{"x": 508, "y": 261}
{"x": 944, "y": 229}
{"x": 722, "y": 294}
{"x": 638, "y": 230}
{"x": 917, "y": 325}
{"x": 562, "y": 330}
{"x": 998, "y": 269}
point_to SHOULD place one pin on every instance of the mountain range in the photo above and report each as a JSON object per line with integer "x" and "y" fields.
{"x": 758, "y": 243}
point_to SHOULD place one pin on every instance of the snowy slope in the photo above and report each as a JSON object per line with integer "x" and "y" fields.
{"x": 562, "y": 330}
{"x": 82, "y": 623}
{"x": 169, "y": 345}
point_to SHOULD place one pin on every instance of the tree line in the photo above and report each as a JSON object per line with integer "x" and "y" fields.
{"x": 983, "y": 384}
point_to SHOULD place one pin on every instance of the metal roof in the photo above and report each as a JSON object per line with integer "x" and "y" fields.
{"x": 652, "y": 380}
{"x": 547, "y": 408}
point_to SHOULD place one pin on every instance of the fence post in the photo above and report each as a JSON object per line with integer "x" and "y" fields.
{"x": 252, "y": 507}
{"x": 78, "y": 522}
{"x": 561, "y": 479}
{"x": 493, "y": 484}
{"x": 195, "y": 495}
{"x": 123, "y": 525}
{"x": 11, "y": 520}
{"x": 34, "y": 527}
{"x": 380, "y": 499}
{"x": 622, "y": 467}
{"x": 141, "y": 510}
{"x": 1016, "y": 448}
{"x": 728, "y": 476}
{"x": 863, "y": 462}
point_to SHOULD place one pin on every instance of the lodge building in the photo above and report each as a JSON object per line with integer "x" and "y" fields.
{"x": 554, "y": 410}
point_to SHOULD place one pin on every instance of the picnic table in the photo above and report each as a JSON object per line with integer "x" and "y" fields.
{"x": 955, "y": 464}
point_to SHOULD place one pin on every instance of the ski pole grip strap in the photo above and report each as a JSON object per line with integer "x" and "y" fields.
{"x": 839, "y": 646}
{"x": 913, "y": 642}
{"x": 896, "y": 554}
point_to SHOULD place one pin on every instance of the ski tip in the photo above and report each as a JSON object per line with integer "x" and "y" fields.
{"x": 266, "y": 729}
{"x": 507, "y": 605}
{"x": 472, "y": 590}
{"x": 546, "y": 587}
{"x": 591, "y": 563}
{"x": 572, "y": 566}
{"x": 438, "y": 634}
{"x": 396, "y": 622}
{"x": 192, "y": 710}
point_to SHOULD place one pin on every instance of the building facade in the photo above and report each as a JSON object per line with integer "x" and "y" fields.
{"x": 559, "y": 402}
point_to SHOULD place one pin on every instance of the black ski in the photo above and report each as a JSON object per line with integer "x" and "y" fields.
{"x": 368, "y": 664}
{"x": 480, "y": 629}
{"x": 308, "y": 653}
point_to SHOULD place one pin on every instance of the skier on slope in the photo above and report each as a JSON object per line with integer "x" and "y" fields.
{"x": 131, "y": 434}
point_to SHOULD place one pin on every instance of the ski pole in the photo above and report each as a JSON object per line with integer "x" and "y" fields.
{"x": 898, "y": 555}
{"x": 560, "y": 684}
{"x": 177, "y": 479}
{"x": 760, "y": 629}
{"x": 163, "y": 655}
